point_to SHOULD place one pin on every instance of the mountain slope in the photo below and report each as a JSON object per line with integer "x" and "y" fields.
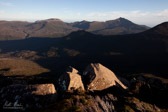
{"x": 111, "y": 27}
{"x": 161, "y": 29}
{"x": 13, "y": 66}
{"x": 49, "y": 28}
{"x": 12, "y": 30}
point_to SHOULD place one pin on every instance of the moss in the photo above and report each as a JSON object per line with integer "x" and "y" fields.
{"x": 73, "y": 101}
{"x": 86, "y": 102}
{"x": 73, "y": 97}
{"x": 67, "y": 101}
{"x": 75, "y": 109}
{"x": 128, "y": 109}
{"x": 79, "y": 91}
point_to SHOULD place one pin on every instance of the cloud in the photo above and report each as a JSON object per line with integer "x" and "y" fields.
{"x": 115, "y": 14}
{"x": 149, "y": 18}
{"x": 78, "y": 13}
{"x": 2, "y": 12}
{"x": 6, "y": 4}
{"x": 163, "y": 13}
{"x": 137, "y": 16}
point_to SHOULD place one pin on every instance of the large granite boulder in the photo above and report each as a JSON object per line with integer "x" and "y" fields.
{"x": 27, "y": 97}
{"x": 70, "y": 80}
{"x": 98, "y": 77}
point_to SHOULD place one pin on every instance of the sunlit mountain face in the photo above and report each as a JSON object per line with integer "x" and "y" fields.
{"x": 54, "y": 28}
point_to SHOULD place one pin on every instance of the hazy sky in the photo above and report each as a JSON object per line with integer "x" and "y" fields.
{"x": 148, "y": 12}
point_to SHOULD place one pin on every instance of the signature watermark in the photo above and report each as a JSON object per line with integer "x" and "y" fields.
{"x": 10, "y": 105}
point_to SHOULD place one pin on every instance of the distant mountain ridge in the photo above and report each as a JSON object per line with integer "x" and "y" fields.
{"x": 118, "y": 26}
{"x": 13, "y": 30}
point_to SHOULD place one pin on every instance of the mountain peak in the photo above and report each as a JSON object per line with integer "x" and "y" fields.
{"x": 84, "y": 21}
{"x": 121, "y": 19}
{"x": 54, "y": 19}
{"x": 49, "y": 20}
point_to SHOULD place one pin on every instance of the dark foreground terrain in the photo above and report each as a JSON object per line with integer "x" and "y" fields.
{"x": 34, "y": 74}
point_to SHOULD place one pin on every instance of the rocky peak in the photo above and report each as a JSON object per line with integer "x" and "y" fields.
{"x": 70, "y": 80}
{"x": 98, "y": 77}
{"x": 119, "y": 22}
{"x": 71, "y": 69}
{"x": 122, "y": 19}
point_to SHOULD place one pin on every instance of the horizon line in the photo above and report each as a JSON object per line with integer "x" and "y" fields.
{"x": 72, "y": 21}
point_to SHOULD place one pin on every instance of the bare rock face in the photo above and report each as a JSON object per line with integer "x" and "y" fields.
{"x": 70, "y": 80}
{"x": 42, "y": 89}
{"x": 27, "y": 97}
{"x": 98, "y": 77}
{"x": 101, "y": 104}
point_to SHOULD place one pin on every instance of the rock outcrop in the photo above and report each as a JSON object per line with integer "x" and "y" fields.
{"x": 98, "y": 77}
{"x": 96, "y": 103}
{"x": 27, "y": 97}
{"x": 150, "y": 89}
{"x": 101, "y": 104}
{"x": 84, "y": 102}
{"x": 70, "y": 80}
{"x": 140, "y": 106}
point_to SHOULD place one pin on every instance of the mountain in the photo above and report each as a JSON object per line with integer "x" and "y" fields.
{"x": 139, "y": 62}
{"x": 112, "y": 27}
{"x": 161, "y": 29}
{"x": 49, "y": 28}
{"x": 12, "y": 30}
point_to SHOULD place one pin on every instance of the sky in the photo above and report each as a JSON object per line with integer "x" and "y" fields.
{"x": 147, "y": 12}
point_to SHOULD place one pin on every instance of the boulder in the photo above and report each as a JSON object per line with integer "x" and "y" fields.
{"x": 70, "y": 80}
{"x": 98, "y": 77}
{"x": 27, "y": 97}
